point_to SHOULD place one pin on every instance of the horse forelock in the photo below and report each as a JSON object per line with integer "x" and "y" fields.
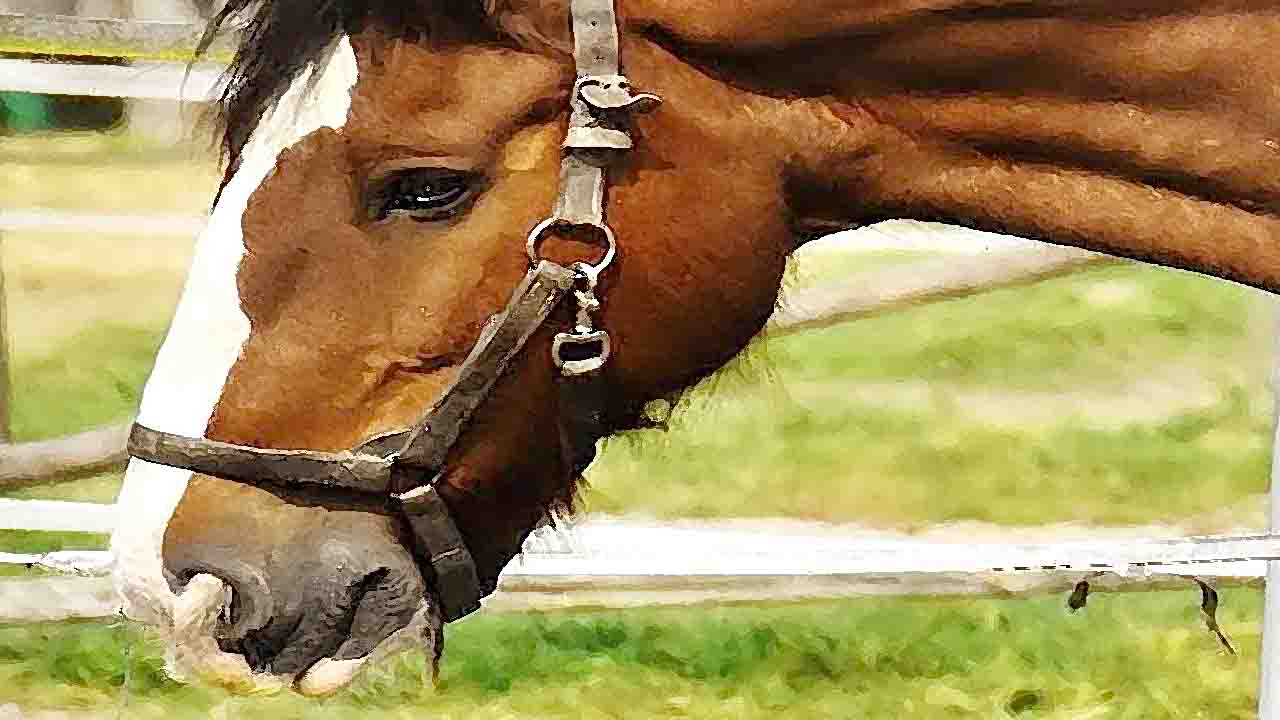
{"x": 209, "y": 330}
{"x": 280, "y": 40}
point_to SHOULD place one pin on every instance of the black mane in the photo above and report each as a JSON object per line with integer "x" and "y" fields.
{"x": 278, "y": 40}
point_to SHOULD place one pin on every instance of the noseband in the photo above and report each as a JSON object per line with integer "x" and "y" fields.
{"x": 391, "y": 467}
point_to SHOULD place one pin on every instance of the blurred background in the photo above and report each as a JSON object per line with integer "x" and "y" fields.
{"x": 1111, "y": 395}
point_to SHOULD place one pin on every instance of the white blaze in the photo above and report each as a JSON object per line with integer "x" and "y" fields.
{"x": 207, "y": 334}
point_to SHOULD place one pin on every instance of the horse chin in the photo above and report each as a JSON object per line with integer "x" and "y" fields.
{"x": 425, "y": 633}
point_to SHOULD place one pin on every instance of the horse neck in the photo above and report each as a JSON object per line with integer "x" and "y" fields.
{"x": 1136, "y": 136}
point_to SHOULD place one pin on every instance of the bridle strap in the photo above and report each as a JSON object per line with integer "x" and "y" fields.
{"x": 598, "y": 122}
{"x": 595, "y": 53}
{"x": 532, "y": 301}
{"x": 436, "y": 537}
{"x": 583, "y": 403}
{"x": 595, "y": 37}
{"x": 346, "y": 470}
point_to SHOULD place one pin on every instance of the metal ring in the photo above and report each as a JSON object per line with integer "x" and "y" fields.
{"x": 592, "y": 271}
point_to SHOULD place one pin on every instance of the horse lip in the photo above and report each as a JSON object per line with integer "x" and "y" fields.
{"x": 328, "y": 676}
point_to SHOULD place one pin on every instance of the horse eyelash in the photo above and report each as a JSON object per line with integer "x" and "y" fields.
{"x": 381, "y": 189}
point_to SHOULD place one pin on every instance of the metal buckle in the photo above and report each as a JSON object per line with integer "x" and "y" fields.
{"x": 609, "y": 93}
{"x": 580, "y": 337}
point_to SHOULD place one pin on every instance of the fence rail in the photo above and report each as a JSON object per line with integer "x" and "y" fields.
{"x": 606, "y": 562}
{"x": 70, "y": 598}
{"x": 102, "y": 37}
{"x": 143, "y": 80}
{"x": 56, "y": 516}
{"x": 43, "y": 219}
{"x": 63, "y": 459}
{"x": 933, "y": 280}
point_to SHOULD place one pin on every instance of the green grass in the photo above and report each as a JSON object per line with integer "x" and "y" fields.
{"x": 30, "y": 541}
{"x": 112, "y": 174}
{"x": 23, "y": 541}
{"x": 1061, "y": 333}
{"x": 1127, "y": 656}
{"x": 886, "y": 468}
{"x": 95, "y": 378}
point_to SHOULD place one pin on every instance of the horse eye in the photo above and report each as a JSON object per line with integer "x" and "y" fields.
{"x": 422, "y": 194}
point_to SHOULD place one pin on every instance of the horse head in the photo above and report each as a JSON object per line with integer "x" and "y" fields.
{"x": 372, "y": 242}
{"x": 376, "y": 218}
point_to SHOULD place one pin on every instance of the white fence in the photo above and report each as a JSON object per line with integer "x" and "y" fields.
{"x": 596, "y": 562}
{"x": 88, "y": 35}
{"x": 611, "y": 562}
{"x": 140, "y": 80}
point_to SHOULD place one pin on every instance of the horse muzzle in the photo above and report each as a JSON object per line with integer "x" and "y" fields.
{"x": 307, "y": 616}
{"x": 196, "y": 655}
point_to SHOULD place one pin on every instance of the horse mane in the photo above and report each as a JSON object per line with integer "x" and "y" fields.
{"x": 280, "y": 39}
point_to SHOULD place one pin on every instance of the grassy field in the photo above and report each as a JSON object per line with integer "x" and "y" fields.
{"x": 807, "y": 439}
{"x": 106, "y": 173}
{"x": 1126, "y": 656}
{"x": 1119, "y": 395}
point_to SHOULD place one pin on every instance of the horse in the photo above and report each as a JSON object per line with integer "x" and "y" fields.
{"x": 386, "y": 162}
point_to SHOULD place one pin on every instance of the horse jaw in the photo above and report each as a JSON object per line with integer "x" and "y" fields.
{"x": 191, "y": 369}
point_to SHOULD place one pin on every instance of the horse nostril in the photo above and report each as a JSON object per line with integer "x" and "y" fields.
{"x": 244, "y": 599}
{"x": 235, "y": 646}
{"x": 258, "y": 649}
{"x": 237, "y": 617}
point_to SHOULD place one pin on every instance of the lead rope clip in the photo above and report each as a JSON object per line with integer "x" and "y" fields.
{"x": 585, "y": 349}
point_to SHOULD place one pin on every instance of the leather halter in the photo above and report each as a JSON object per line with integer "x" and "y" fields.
{"x": 391, "y": 466}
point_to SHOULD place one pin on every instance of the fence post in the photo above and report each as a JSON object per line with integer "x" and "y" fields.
{"x": 1269, "y": 683}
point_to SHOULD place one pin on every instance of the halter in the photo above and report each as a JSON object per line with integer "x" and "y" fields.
{"x": 599, "y": 133}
